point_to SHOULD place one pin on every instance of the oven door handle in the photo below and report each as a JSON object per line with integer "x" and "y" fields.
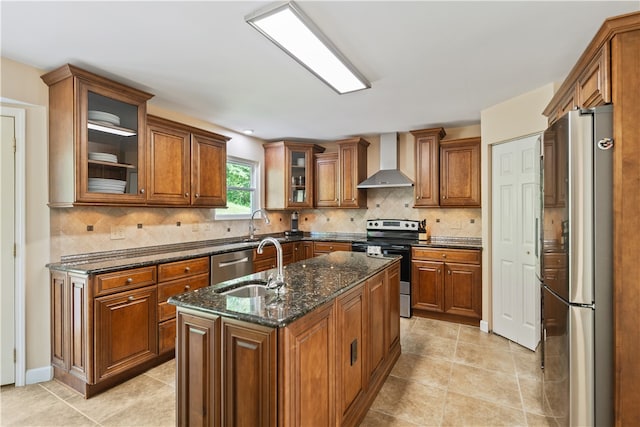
{"x": 402, "y": 248}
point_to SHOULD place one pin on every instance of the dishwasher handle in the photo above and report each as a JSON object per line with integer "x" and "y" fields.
{"x": 234, "y": 262}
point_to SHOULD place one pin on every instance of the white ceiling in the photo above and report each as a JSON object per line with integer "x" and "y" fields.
{"x": 429, "y": 63}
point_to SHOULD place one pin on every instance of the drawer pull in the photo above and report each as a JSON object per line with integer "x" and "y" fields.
{"x": 187, "y": 269}
{"x": 444, "y": 255}
{"x": 438, "y": 271}
{"x": 186, "y": 288}
{"x": 130, "y": 280}
{"x": 131, "y": 298}
{"x": 449, "y": 272}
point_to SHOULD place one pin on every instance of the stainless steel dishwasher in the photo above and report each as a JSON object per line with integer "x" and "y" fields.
{"x": 231, "y": 265}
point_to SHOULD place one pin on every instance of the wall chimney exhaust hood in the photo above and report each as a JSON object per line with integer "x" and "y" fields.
{"x": 389, "y": 174}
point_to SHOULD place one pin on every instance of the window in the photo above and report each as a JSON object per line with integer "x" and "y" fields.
{"x": 242, "y": 194}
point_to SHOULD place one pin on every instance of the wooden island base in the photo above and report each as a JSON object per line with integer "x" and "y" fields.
{"x": 323, "y": 369}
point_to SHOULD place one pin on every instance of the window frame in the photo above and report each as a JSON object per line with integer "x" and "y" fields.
{"x": 255, "y": 189}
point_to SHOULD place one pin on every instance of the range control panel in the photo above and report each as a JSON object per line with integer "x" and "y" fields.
{"x": 392, "y": 224}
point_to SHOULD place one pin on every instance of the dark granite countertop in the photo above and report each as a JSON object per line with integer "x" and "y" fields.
{"x": 104, "y": 262}
{"x": 451, "y": 243}
{"x": 310, "y": 283}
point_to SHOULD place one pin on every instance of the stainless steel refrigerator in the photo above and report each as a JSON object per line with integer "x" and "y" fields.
{"x": 576, "y": 272}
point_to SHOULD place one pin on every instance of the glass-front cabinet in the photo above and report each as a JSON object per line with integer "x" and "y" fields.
{"x": 97, "y": 140}
{"x": 289, "y": 174}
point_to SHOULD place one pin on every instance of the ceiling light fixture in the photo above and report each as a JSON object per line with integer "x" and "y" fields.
{"x": 248, "y": 131}
{"x": 292, "y": 31}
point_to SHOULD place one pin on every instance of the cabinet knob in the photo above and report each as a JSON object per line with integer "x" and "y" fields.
{"x": 187, "y": 269}
{"x": 186, "y": 288}
{"x": 444, "y": 197}
{"x": 444, "y": 255}
{"x": 142, "y": 191}
{"x": 130, "y": 280}
{"x": 449, "y": 272}
{"x": 131, "y": 298}
{"x": 438, "y": 271}
{"x": 197, "y": 195}
{"x": 186, "y": 194}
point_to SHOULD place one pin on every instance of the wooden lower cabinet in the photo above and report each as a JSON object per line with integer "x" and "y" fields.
{"x": 249, "y": 389}
{"x": 268, "y": 258}
{"x": 302, "y": 250}
{"x": 314, "y": 371}
{"x": 447, "y": 284}
{"x": 198, "y": 370}
{"x": 125, "y": 330}
{"x": 320, "y": 248}
{"x": 307, "y": 378}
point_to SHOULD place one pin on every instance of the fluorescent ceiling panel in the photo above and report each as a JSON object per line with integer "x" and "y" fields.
{"x": 293, "y": 32}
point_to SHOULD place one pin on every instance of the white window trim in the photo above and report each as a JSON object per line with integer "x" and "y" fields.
{"x": 220, "y": 213}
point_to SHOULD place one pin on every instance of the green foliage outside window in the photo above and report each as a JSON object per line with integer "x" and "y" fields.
{"x": 239, "y": 188}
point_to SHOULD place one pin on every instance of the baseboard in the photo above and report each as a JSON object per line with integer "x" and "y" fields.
{"x": 39, "y": 375}
{"x": 484, "y": 326}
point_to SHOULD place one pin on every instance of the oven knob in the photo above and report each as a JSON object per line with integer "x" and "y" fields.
{"x": 376, "y": 224}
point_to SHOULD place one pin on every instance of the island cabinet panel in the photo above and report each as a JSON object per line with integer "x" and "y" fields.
{"x": 447, "y": 284}
{"x": 125, "y": 330}
{"x": 307, "y": 390}
{"x": 351, "y": 368}
{"x": 378, "y": 295}
{"x": 198, "y": 365}
{"x": 249, "y": 388}
{"x": 393, "y": 322}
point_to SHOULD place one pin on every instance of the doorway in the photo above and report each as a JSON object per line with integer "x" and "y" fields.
{"x": 515, "y": 191}
{"x": 12, "y": 243}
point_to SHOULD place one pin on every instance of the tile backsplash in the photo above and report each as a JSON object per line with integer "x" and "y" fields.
{"x": 93, "y": 229}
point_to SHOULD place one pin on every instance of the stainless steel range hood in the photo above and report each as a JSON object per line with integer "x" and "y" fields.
{"x": 389, "y": 174}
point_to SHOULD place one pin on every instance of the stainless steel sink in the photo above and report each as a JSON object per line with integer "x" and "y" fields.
{"x": 247, "y": 291}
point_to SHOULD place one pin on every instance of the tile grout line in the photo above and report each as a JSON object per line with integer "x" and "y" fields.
{"x": 70, "y": 405}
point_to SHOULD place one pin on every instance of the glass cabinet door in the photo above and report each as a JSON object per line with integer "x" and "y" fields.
{"x": 112, "y": 148}
{"x": 299, "y": 184}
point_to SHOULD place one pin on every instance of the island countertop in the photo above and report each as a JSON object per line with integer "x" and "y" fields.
{"x": 310, "y": 283}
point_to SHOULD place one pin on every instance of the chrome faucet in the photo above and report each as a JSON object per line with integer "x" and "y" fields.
{"x": 252, "y": 228}
{"x": 279, "y": 280}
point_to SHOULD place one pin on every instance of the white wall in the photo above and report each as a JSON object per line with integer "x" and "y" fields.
{"x": 511, "y": 119}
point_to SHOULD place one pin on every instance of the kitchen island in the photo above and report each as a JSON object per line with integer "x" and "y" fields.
{"x": 317, "y": 354}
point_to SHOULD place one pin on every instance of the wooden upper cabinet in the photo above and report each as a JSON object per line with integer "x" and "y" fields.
{"x": 593, "y": 86}
{"x": 327, "y": 180}
{"x": 460, "y": 172}
{"x": 337, "y": 175}
{"x": 427, "y": 188}
{"x": 97, "y": 143}
{"x": 352, "y": 160}
{"x": 187, "y": 166}
{"x": 289, "y": 174}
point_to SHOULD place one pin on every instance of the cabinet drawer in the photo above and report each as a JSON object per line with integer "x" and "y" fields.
{"x": 180, "y": 269}
{"x": 323, "y": 247}
{"x": 554, "y": 260}
{"x": 127, "y": 279}
{"x": 451, "y": 255}
{"x": 270, "y": 251}
{"x": 166, "y": 290}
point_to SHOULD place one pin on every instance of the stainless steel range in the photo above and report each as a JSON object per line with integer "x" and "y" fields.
{"x": 393, "y": 237}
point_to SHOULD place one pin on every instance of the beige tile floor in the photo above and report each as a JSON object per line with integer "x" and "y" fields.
{"x": 447, "y": 375}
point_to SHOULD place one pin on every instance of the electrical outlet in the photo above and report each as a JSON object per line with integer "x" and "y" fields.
{"x": 117, "y": 232}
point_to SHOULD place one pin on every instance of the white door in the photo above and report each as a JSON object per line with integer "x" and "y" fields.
{"x": 7, "y": 240}
{"x": 515, "y": 193}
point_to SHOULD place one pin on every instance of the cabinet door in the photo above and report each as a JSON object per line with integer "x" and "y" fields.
{"x": 198, "y": 371}
{"x": 378, "y": 295}
{"x": 249, "y": 391}
{"x": 111, "y": 146}
{"x": 427, "y": 189}
{"x": 208, "y": 171}
{"x": 463, "y": 290}
{"x": 125, "y": 330}
{"x": 307, "y": 248}
{"x": 393, "y": 280}
{"x": 326, "y": 180}
{"x": 353, "y": 170}
{"x": 549, "y": 170}
{"x": 299, "y": 177}
{"x": 169, "y": 164}
{"x": 307, "y": 382}
{"x": 593, "y": 86}
{"x": 460, "y": 173}
{"x": 351, "y": 315}
{"x": 426, "y": 285}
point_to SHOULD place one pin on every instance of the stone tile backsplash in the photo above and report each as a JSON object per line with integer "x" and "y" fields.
{"x": 139, "y": 227}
